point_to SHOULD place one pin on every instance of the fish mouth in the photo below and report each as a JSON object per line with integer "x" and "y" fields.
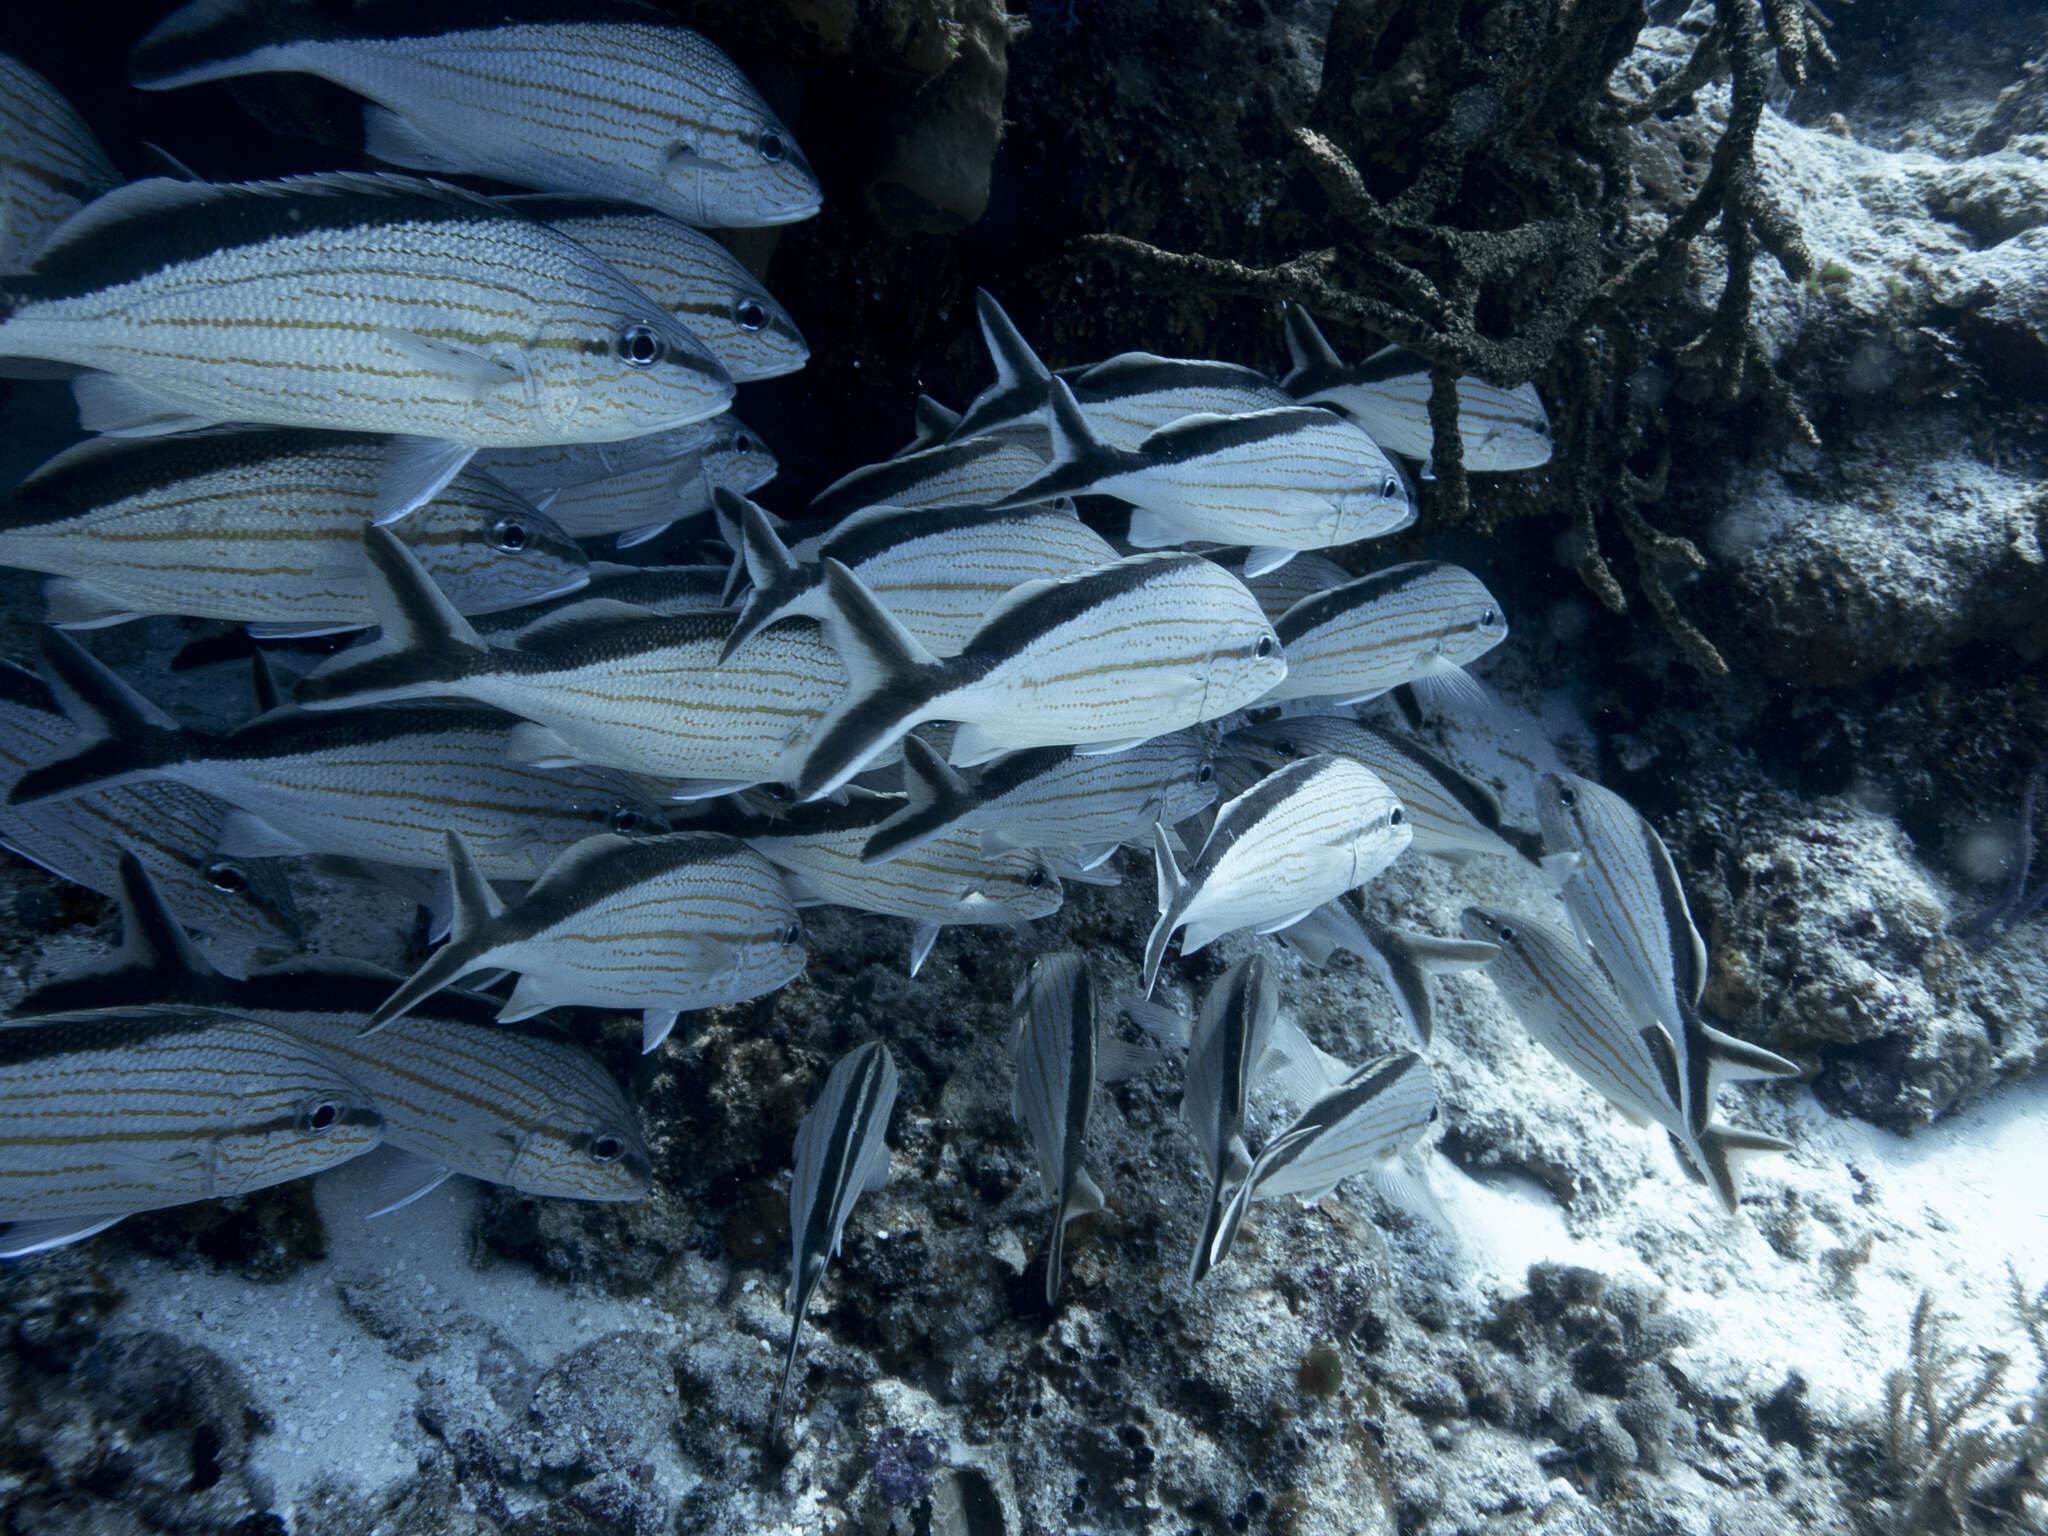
{"x": 790, "y": 213}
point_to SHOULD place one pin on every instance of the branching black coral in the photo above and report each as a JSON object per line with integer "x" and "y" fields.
{"x": 1478, "y": 160}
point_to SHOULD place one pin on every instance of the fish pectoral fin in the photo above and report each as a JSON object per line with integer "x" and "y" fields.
{"x": 416, "y": 470}
{"x": 536, "y": 993}
{"x": 640, "y": 535}
{"x": 1107, "y": 748}
{"x": 1264, "y": 558}
{"x": 1149, "y": 530}
{"x": 71, "y": 602}
{"x": 1558, "y": 868}
{"x": 1274, "y": 927}
{"x": 467, "y": 366}
{"x": 1116, "y": 1060}
{"x": 405, "y": 1177}
{"x": 922, "y": 938}
{"x": 655, "y": 1024}
{"x": 536, "y": 746}
{"x": 22, "y": 1238}
{"x": 245, "y": 835}
{"x": 394, "y": 140}
{"x": 684, "y": 157}
{"x": 972, "y": 745}
{"x": 706, "y": 789}
{"x": 118, "y": 407}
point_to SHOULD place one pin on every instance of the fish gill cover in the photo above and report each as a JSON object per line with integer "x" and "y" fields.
{"x": 752, "y": 1047}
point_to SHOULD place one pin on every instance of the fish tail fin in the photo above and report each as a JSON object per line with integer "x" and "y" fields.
{"x": 127, "y": 736}
{"x": 1227, "y": 1206}
{"x": 937, "y": 797}
{"x": 1722, "y": 1150}
{"x": 421, "y": 637}
{"x": 889, "y": 675}
{"x": 442, "y": 967}
{"x": 151, "y": 937}
{"x": 777, "y": 579}
{"x": 1085, "y": 1199}
{"x": 475, "y": 903}
{"x": 1733, "y": 1060}
{"x": 1074, "y": 442}
{"x": 1315, "y": 364}
{"x": 933, "y": 423}
{"x": 476, "y": 906}
{"x": 1171, "y": 885}
{"x": 219, "y": 39}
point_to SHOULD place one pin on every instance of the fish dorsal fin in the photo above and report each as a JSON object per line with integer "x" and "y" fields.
{"x": 476, "y": 904}
{"x": 421, "y": 635}
{"x": 1169, "y": 1026}
{"x": 932, "y": 422}
{"x": 1019, "y": 391}
{"x": 87, "y": 452}
{"x": 1315, "y": 363}
{"x": 150, "y": 198}
{"x": 870, "y": 639}
{"x": 151, "y": 937}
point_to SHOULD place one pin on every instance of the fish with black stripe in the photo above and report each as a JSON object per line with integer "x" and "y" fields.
{"x": 1421, "y": 623}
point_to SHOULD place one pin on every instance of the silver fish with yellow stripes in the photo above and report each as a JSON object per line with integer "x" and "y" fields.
{"x": 435, "y": 313}
{"x": 841, "y": 1154}
{"x": 263, "y": 528}
{"x": 637, "y": 504}
{"x": 1282, "y": 587}
{"x": 607, "y": 97}
{"x": 1453, "y": 814}
{"x": 599, "y": 682}
{"x": 969, "y": 472}
{"x": 515, "y": 1104}
{"x": 1279, "y": 481}
{"x": 1421, "y": 622}
{"x": 243, "y": 904}
{"x": 1049, "y": 797}
{"x": 940, "y": 572}
{"x": 380, "y": 784}
{"x": 50, "y": 162}
{"x": 656, "y": 925}
{"x": 1225, "y": 1050}
{"x": 661, "y": 589}
{"x": 1623, "y": 892}
{"x": 1568, "y": 1003}
{"x": 104, "y": 1117}
{"x": 1301, "y": 836}
{"x": 949, "y": 879}
{"x": 1388, "y": 396}
{"x": 1401, "y": 958}
{"x": 539, "y": 471}
{"x": 1102, "y": 659}
{"x": 695, "y": 278}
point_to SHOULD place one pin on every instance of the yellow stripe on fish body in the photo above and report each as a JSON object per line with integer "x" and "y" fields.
{"x": 363, "y": 302}
{"x": 1132, "y": 395}
{"x": 695, "y": 279}
{"x": 615, "y": 100}
{"x": 106, "y": 1117}
{"x": 975, "y": 472}
{"x": 264, "y": 527}
{"x": 1413, "y": 622}
{"x": 172, "y": 829}
{"x": 1281, "y": 588}
{"x": 1301, "y": 836}
{"x": 50, "y": 162}
{"x": 541, "y": 471}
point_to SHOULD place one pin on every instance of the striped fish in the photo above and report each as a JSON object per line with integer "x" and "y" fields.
{"x": 841, "y": 1154}
{"x": 949, "y": 879}
{"x": 940, "y": 572}
{"x": 1281, "y": 588}
{"x": 50, "y": 163}
{"x": 436, "y": 313}
{"x": 1101, "y": 659}
{"x": 1225, "y": 1049}
{"x": 600, "y": 682}
{"x": 1280, "y": 480}
{"x": 1135, "y": 394}
{"x": 1015, "y": 403}
{"x": 244, "y": 903}
{"x": 515, "y": 1104}
{"x": 1623, "y": 892}
{"x": 1359, "y": 1125}
{"x": 1452, "y": 814}
{"x": 695, "y": 279}
{"x": 604, "y": 97}
{"x": 1049, "y": 797}
{"x": 1301, "y": 836}
{"x": 1421, "y": 622}
{"x": 1401, "y": 958}
{"x": 540, "y": 471}
{"x": 662, "y": 589}
{"x": 1568, "y": 1003}
{"x": 101, "y": 1118}
{"x": 379, "y": 784}
{"x": 264, "y": 528}
{"x": 654, "y": 925}
{"x": 1053, "y": 1013}
{"x": 649, "y": 487}
{"x": 968, "y": 472}
{"x": 1388, "y": 396}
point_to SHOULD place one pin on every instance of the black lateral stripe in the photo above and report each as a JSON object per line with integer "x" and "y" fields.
{"x": 1480, "y": 805}
{"x": 1258, "y": 802}
{"x": 995, "y": 781}
{"x": 1658, "y": 1044}
{"x": 1114, "y": 380}
{"x": 1383, "y": 367}
{"x": 1080, "y": 1075}
{"x": 1312, "y": 613}
{"x": 1012, "y": 631}
{"x": 851, "y": 1128}
{"x": 26, "y": 1044}
{"x": 238, "y": 217}
{"x": 878, "y": 484}
{"x": 1182, "y": 442}
{"x": 1244, "y": 983}
{"x": 857, "y": 546}
{"x": 321, "y": 733}
{"x": 1677, "y": 916}
{"x": 806, "y": 818}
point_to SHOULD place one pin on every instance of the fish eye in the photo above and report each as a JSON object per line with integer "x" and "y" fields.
{"x": 626, "y": 819}
{"x": 639, "y": 346}
{"x": 1036, "y": 879}
{"x": 1264, "y": 648}
{"x": 1567, "y": 797}
{"x": 771, "y": 146}
{"x": 608, "y": 1148}
{"x": 1488, "y": 619}
{"x": 321, "y": 1114}
{"x": 793, "y": 934}
{"x": 226, "y": 878}
{"x": 1507, "y": 934}
{"x": 1390, "y": 487}
{"x": 1206, "y": 774}
{"x": 508, "y": 535}
{"x": 743, "y": 444}
{"x": 1396, "y": 816}
{"x": 750, "y": 315}
{"x": 776, "y": 790}
{"x": 1286, "y": 749}
{"x": 1433, "y": 1113}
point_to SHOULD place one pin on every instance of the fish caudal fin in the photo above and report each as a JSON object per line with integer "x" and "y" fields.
{"x": 1019, "y": 391}
{"x": 776, "y": 577}
{"x": 128, "y": 737}
{"x": 936, "y": 798}
{"x": 891, "y": 681}
{"x": 1171, "y": 886}
{"x": 476, "y": 907}
{"x": 1732, "y": 1060}
{"x": 1085, "y": 1199}
{"x": 1316, "y": 366}
{"x": 1722, "y": 1151}
{"x": 422, "y": 640}
{"x": 152, "y": 939}
{"x": 221, "y": 39}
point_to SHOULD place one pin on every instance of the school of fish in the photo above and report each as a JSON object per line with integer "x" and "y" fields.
{"x": 453, "y": 419}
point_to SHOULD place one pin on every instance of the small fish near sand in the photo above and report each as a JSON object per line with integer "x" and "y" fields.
{"x": 841, "y": 1154}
